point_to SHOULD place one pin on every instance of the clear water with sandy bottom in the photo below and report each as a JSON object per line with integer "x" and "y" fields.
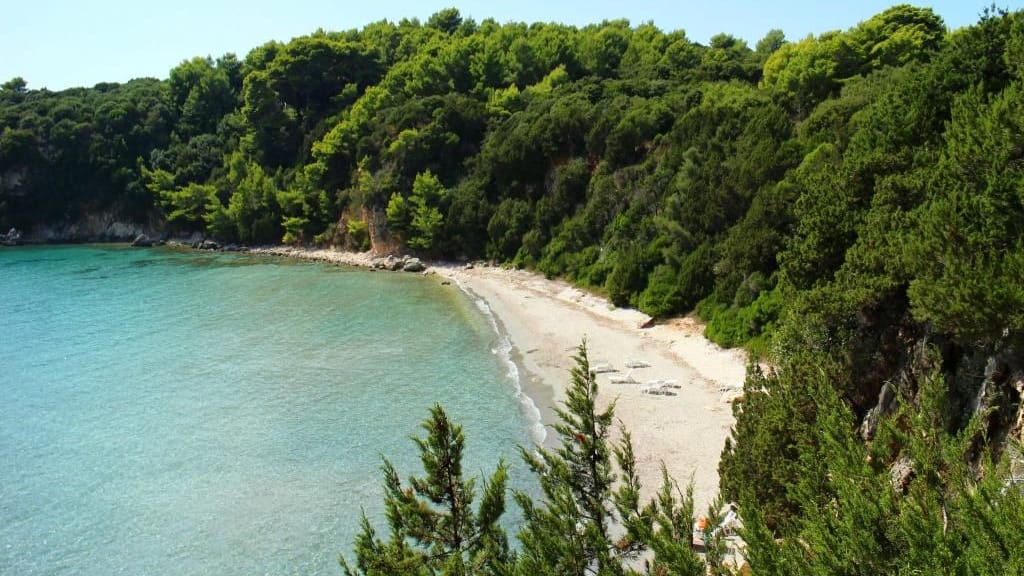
{"x": 197, "y": 413}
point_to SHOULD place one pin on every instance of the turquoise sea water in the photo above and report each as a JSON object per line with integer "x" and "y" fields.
{"x": 195, "y": 413}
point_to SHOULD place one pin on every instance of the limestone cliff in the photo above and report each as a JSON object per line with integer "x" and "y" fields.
{"x": 94, "y": 227}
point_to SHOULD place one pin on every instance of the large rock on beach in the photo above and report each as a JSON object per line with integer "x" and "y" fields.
{"x": 414, "y": 265}
{"x": 388, "y": 262}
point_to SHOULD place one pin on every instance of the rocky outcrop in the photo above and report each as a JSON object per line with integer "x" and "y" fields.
{"x": 396, "y": 263}
{"x": 1017, "y": 428}
{"x": 206, "y": 245}
{"x": 12, "y": 238}
{"x": 381, "y": 240}
{"x": 12, "y": 180}
{"x": 983, "y": 384}
{"x": 886, "y": 404}
{"x": 98, "y": 227}
{"x": 388, "y": 263}
{"x": 414, "y": 265}
{"x": 900, "y": 474}
{"x": 142, "y": 241}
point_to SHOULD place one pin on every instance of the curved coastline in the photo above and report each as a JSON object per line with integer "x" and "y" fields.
{"x": 506, "y": 352}
{"x": 543, "y": 321}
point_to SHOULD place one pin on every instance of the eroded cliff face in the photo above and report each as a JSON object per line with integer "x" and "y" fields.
{"x": 890, "y": 354}
{"x": 984, "y": 381}
{"x": 95, "y": 227}
{"x": 382, "y": 242}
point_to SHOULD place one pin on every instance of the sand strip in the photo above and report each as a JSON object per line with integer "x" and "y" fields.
{"x": 545, "y": 321}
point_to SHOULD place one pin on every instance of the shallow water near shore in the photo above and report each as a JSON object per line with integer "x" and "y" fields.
{"x": 197, "y": 413}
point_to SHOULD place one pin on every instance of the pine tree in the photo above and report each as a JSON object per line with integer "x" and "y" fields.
{"x": 434, "y": 529}
{"x": 569, "y": 533}
{"x": 591, "y": 521}
{"x": 956, "y": 511}
{"x": 664, "y": 526}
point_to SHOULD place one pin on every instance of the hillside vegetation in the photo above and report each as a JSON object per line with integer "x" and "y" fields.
{"x": 849, "y": 205}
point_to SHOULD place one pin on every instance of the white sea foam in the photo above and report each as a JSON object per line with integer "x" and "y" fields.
{"x": 504, "y": 352}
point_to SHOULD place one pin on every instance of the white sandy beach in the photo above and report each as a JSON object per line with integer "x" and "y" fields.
{"x": 546, "y": 320}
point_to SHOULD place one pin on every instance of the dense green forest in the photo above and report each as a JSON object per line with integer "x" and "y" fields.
{"x": 849, "y": 205}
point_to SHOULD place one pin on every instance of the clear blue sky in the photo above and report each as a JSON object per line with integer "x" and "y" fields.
{"x": 62, "y": 43}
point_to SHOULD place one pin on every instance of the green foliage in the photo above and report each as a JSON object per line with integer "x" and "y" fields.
{"x": 185, "y": 206}
{"x": 399, "y": 214}
{"x": 428, "y": 196}
{"x": 571, "y": 530}
{"x": 945, "y": 515}
{"x": 760, "y": 461}
{"x": 16, "y": 85}
{"x": 447, "y": 20}
{"x": 627, "y": 277}
{"x": 695, "y": 276}
{"x": 807, "y": 72}
{"x": 750, "y": 324}
{"x": 826, "y": 203}
{"x": 419, "y": 219}
{"x": 67, "y": 154}
{"x": 771, "y": 43}
{"x": 202, "y": 93}
{"x": 663, "y": 294}
{"x": 967, "y": 248}
{"x": 253, "y": 207}
{"x": 506, "y": 228}
{"x": 359, "y": 234}
{"x": 434, "y": 528}
{"x": 568, "y": 531}
{"x": 900, "y": 35}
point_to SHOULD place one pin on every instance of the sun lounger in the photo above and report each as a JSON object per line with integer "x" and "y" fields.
{"x": 627, "y": 379}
